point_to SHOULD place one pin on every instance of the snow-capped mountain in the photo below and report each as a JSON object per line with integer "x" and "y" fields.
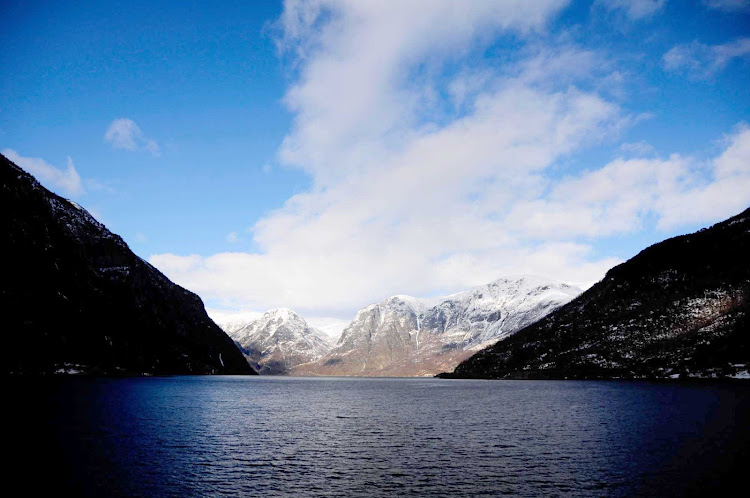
{"x": 277, "y": 341}
{"x": 407, "y": 336}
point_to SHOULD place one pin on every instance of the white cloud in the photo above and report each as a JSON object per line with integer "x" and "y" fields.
{"x": 617, "y": 198}
{"x": 728, "y": 5}
{"x": 641, "y": 148}
{"x": 360, "y": 59}
{"x": 66, "y": 181}
{"x": 332, "y": 327}
{"x": 232, "y": 237}
{"x": 703, "y": 61}
{"x": 125, "y": 134}
{"x": 412, "y": 196}
{"x": 634, "y": 9}
{"x": 718, "y": 189}
{"x": 223, "y": 316}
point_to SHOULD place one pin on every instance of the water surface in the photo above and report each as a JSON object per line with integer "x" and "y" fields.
{"x": 187, "y": 436}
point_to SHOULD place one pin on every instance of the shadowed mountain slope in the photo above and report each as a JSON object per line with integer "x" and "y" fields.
{"x": 678, "y": 309}
{"x": 75, "y": 299}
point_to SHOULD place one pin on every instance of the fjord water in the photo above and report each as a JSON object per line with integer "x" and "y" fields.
{"x": 187, "y": 436}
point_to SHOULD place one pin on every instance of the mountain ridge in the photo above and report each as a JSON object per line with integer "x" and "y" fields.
{"x": 408, "y": 336}
{"x": 679, "y": 308}
{"x": 106, "y": 310}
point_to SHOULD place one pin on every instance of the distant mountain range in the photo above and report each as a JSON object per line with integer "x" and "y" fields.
{"x": 406, "y": 336}
{"x": 680, "y": 308}
{"x": 75, "y": 299}
{"x": 402, "y": 335}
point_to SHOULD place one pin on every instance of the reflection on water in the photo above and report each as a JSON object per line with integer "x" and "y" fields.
{"x": 427, "y": 437}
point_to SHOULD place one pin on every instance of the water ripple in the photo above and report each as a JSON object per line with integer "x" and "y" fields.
{"x": 379, "y": 437}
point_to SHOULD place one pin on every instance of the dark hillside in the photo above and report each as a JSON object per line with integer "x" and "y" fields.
{"x": 679, "y": 308}
{"x": 75, "y": 298}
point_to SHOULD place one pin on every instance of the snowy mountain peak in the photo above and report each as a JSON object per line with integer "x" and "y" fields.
{"x": 284, "y": 314}
{"x": 519, "y": 285}
{"x": 404, "y": 302}
{"x": 278, "y": 340}
{"x": 405, "y": 335}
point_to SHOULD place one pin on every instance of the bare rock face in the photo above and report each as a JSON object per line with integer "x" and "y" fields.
{"x": 406, "y": 336}
{"x": 278, "y": 341}
{"x": 75, "y": 299}
{"x": 680, "y": 308}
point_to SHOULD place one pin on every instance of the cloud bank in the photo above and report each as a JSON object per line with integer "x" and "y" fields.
{"x": 435, "y": 170}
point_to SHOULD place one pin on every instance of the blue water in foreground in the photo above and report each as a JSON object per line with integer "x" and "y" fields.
{"x": 262, "y": 436}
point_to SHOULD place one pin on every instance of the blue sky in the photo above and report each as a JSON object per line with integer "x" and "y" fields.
{"x": 324, "y": 155}
{"x": 204, "y": 82}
